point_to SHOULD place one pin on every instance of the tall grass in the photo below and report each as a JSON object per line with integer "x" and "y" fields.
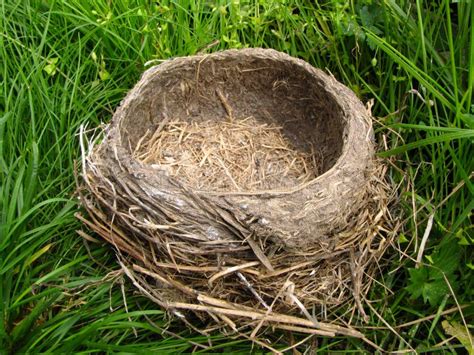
{"x": 67, "y": 63}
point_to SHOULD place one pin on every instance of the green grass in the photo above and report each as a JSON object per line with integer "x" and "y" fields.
{"x": 67, "y": 63}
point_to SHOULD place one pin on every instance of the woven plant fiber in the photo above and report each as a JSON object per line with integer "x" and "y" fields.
{"x": 241, "y": 187}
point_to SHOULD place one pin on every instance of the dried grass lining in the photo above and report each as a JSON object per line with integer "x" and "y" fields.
{"x": 237, "y": 154}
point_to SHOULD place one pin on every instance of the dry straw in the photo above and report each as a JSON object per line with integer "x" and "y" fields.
{"x": 241, "y": 187}
{"x": 238, "y": 154}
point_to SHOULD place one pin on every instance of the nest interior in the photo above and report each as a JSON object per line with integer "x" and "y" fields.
{"x": 282, "y": 94}
{"x": 249, "y": 255}
{"x": 233, "y": 155}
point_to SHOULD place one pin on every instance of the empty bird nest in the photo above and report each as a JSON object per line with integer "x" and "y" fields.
{"x": 241, "y": 187}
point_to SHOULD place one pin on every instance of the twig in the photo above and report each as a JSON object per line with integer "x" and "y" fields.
{"x": 424, "y": 240}
{"x": 122, "y": 289}
{"x": 277, "y": 318}
{"x": 356, "y": 281}
{"x": 259, "y": 254}
{"x": 231, "y": 270}
{"x": 249, "y": 286}
{"x": 226, "y": 105}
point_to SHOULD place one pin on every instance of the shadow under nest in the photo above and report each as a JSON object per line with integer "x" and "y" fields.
{"x": 242, "y": 186}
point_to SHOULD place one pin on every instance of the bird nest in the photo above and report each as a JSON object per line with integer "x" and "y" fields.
{"x": 241, "y": 187}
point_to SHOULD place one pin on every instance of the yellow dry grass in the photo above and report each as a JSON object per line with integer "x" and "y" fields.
{"x": 238, "y": 154}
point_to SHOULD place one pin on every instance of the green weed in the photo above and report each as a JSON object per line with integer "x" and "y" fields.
{"x": 67, "y": 63}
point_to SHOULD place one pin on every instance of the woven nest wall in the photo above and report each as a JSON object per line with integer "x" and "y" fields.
{"x": 241, "y": 187}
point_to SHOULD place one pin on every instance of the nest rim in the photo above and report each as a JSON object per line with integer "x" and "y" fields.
{"x": 355, "y": 112}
